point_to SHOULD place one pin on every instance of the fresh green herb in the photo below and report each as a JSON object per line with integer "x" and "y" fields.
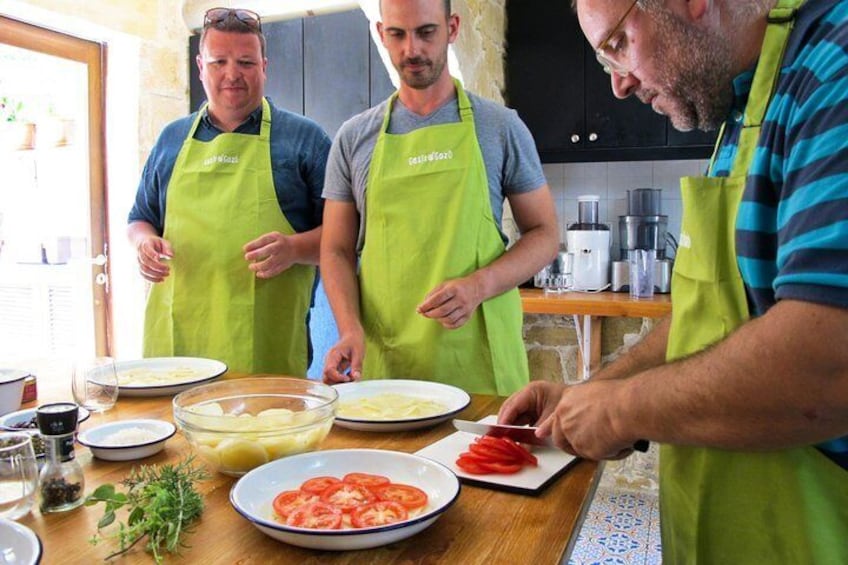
{"x": 162, "y": 504}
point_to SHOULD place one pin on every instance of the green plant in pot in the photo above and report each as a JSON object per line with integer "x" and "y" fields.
{"x": 15, "y": 131}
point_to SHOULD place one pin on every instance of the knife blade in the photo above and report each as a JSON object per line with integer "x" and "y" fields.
{"x": 521, "y": 434}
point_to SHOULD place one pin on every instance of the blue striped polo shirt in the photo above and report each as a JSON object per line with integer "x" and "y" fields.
{"x": 792, "y": 226}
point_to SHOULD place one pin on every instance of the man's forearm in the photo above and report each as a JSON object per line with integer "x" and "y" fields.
{"x": 342, "y": 288}
{"x": 778, "y": 381}
{"x": 535, "y": 249}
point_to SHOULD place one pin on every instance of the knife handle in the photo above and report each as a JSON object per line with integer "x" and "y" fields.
{"x": 641, "y": 445}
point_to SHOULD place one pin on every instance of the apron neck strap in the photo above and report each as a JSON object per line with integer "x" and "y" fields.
{"x": 264, "y": 126}
{"x": 781, "y": 19}
{"x": 465, "y": 113}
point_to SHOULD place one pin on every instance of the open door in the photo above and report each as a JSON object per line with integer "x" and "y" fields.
{"x": 54, "y": 241}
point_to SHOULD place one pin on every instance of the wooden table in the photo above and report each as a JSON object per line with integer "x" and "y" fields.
{"x": 483, "y": 526}
{"x": 587, "y": 307}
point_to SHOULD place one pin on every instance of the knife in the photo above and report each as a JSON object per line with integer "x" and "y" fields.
{"x": 522, "y": 434}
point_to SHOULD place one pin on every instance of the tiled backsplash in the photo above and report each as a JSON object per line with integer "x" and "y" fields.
{"x": 611, "y": 181}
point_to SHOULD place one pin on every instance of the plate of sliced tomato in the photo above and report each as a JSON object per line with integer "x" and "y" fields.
{"x": 499, "y": 462}
{"x": 334, "y": 499}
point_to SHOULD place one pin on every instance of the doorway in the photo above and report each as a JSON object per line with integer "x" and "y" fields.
{"x": 54, "y": 240}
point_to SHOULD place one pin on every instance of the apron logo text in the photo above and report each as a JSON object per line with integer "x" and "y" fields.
{"x": 685, "y": 240}
{"x": 228, "y": 159}
{"x": 430, "y": 157}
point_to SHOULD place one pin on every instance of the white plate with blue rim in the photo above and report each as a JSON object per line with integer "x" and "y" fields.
{"x": 21, "y": 546}
{"x": 253, "y": 495}
{"x": 126, "y": 440}
{"x": 163, "y": 376}
{"x": 367, "y": 405}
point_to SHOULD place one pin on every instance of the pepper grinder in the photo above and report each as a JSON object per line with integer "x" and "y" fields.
{"x": 61, "y": 482}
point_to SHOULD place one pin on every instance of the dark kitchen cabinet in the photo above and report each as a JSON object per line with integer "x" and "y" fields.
{"x": 563, "y": 95}
{"x": 324, "y": 67}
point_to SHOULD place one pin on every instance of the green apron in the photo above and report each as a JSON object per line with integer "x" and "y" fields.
{"x": 732, "y": 507}
{"x": 221, "y": 196}
{"x": 429, "y": 220}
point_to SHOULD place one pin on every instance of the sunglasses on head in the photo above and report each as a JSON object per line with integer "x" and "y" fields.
{"x": 215, "y": 16}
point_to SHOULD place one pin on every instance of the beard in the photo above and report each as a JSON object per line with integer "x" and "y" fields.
{"x": 428, "y": 75}
{"x": 696, "y": 78}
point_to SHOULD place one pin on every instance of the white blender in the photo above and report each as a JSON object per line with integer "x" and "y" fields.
{"x": 589, "y": 241}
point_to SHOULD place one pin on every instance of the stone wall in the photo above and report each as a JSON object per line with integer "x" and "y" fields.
{"x": 551, "y": 343}
{"x": 480, "y": 47}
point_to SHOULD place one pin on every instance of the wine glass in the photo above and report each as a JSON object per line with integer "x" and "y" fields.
{"x": 95, "y": 383}
{"x": 18, "y": 474}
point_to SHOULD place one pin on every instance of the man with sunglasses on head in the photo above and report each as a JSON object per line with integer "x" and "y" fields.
{"x": 227, "y": 218}
{"x": 415, "y": 190}
{"x": 746, "y": 385}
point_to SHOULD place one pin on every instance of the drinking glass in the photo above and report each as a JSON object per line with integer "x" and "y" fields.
{"x": 18, "y": 475}
{"x": 95, "y": 383}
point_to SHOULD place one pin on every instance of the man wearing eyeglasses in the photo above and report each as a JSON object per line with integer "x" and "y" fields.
{"x": 415, "y": 189}
{"x": 746, "y": 386}
{"x": 227, "y": 218}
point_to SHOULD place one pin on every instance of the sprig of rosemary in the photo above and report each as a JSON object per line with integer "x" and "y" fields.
{"x": 162, "y": 504}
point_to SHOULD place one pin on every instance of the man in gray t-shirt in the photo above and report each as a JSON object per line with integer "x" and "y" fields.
{"x": 413, "y": 256}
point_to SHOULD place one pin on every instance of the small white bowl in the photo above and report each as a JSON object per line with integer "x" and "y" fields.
{"x": 11, "y": 389}
{"x": 21, "y": 545}
{"x": 95, "y": 438}
{"x": 252, "y": 496}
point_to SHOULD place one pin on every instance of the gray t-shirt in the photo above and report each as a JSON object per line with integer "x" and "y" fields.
{"x": 509, "y": 153}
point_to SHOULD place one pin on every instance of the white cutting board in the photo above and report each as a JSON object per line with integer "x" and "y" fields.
{"x": 529, "y": 480}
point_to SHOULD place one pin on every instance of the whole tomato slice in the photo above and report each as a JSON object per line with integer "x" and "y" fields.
{"x": 503, "y": 468}
{"x": 471, "y": 466}
{"x": 378, "y": 513}
{"x": 365, "y": 479}
{"x": 409, "y": 496}
{"x": 346, "y": 496}
{"x": 316, "y": 516}
{"x": 287, "y": 501}
{"x": 317, "y": 485}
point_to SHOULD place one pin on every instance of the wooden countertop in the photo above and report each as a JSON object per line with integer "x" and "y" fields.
{"x": 483, "y": 526}
{"x": 615, "y": 304}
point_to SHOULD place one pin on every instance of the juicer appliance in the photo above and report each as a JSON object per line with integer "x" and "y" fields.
{"x": 588, "y": 240}
{"x": 644, "y": 227}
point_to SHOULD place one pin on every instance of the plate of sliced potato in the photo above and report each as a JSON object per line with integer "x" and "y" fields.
{"x": 389, "y": 405}
{"x": 162, "y": 376}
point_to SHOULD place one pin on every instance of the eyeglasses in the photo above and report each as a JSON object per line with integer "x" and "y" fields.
{"x": 216, "y": 16}
{"x": 611, "y": 56}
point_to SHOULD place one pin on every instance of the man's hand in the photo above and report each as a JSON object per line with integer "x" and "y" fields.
{"x": 153, "y": 252}
{"x": 532, "y": 404}
{"x": 270, "y": 254}
{"x": 343, "y": 362}
{"x": 452, "y": 303}
{"x": 582, "y": 422}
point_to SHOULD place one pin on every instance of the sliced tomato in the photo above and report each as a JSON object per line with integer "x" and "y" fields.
{"x": 503, "y": 468}
{"x": 411, "y": 497}
{"x": 365, "y": 479}
{"x": 317, "y": 485}
{"x": 471, "y": 466}
{"x": 287, "y": 501}
{"x": 346, "y": 496}
{"x": 316, "y": 516}
{"x": 488, "y": 453}
{"x": 378, "y": 513}
{"x": 521, "y": 450}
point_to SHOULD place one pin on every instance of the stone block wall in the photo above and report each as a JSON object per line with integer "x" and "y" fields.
{"x": 551, "y": 342}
